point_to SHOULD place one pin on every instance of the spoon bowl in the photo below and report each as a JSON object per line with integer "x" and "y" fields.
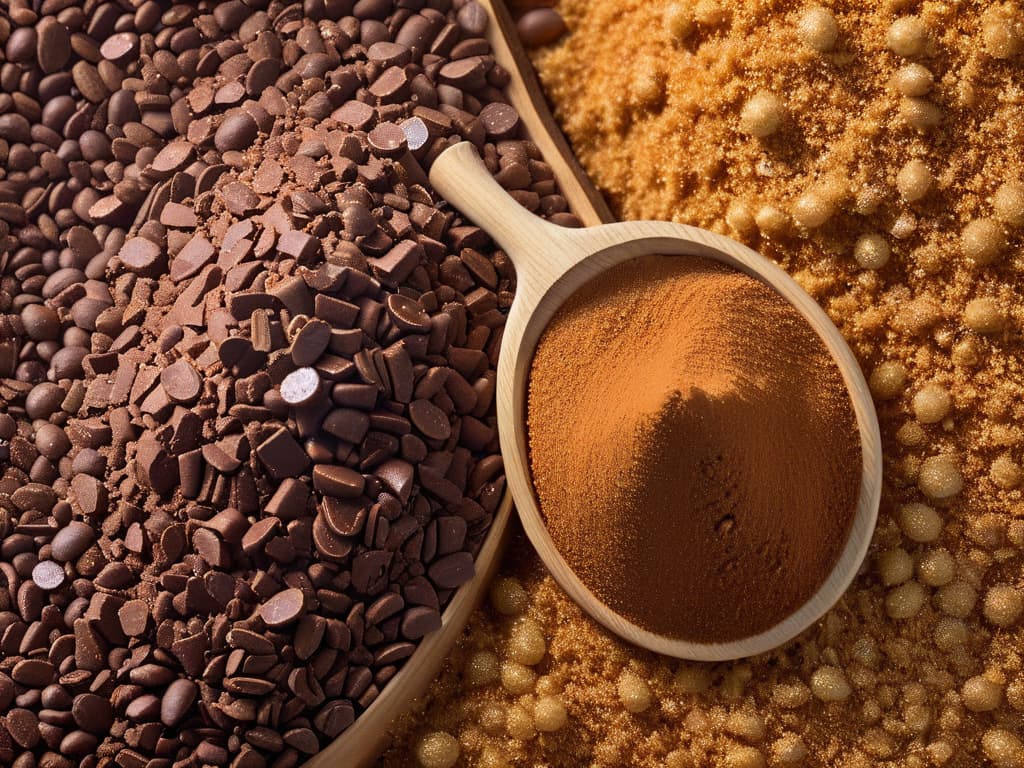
{"x": 552, "y": 263}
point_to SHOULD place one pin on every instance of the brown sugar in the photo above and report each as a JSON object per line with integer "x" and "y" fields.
{"x": 693, "y": 448}
{"x": 888, "y": 677}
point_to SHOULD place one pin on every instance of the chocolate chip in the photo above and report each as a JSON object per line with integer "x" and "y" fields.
{"x": 301, "y": 386}
{"x": 48, "y": 575}
{"x": 310, "y": 342}
{"x": 181, "y": 382}
{"x": 236, "y": 132}
{"x": 283, "y": 608}
{"x": 337, "y": 481}
{"x": 387, "y": 140}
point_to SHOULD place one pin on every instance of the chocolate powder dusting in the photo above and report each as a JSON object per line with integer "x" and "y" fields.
{"x": 693, "y": 448}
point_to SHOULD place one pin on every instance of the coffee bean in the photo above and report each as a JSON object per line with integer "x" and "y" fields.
{"x": 93, "y": 713}
{"x": 238, "y": 131}
{"x": 53, "y": 48}
{"x": 177, "y": 700}
{"x": 540, "y": 26}
{"x": 71, "y": 541}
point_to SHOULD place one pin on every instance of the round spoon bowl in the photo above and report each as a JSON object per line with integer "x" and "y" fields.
{"x": 552, "y": 263}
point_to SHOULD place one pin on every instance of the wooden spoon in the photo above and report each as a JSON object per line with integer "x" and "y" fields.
{"x": 551, "y": 263}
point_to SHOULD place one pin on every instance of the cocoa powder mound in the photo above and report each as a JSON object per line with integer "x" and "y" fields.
{"x": 693, "y": 448}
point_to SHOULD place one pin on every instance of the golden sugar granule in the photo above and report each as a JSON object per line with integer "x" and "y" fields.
{"x": 940, "y": 477}
{"x": 817, "y": 29}
{"x": 914, "y": 180}
{"x": 492, "y": 757}
{"x": 1001, "y": 31}
{"x": 871, "y": 251}
{"x": 932, "y": 403}
{"x": 829, "y": 683}
{"x": 1003, "y": 748}
{"x": 508, "y": 596}
{"x": 906, "y": 600}
{"x": 1005, "y": 472}
{"x": 519, "y": 723}
{"x": 980, "y": 694}
{"x": 956, "y": 599}
{"x": 888, "y": 380}
{"x": 982, "y": 241}
{"x": 482, "y": 668}
{"x": 438, "y": 750}
{"x": 678, "y": 20}
{"x": 743, "y": 757}
{"x": 919, "y": 113}
{"x": 711, "y": 13}
{"x": 634, "y": 692}
{"x": 895, "y": 566}
{"x": 771, "y": 220}
{"x": 517, "y": 678}
{"x": 1003, "y": 605}
{"x": 762, "y": 115}
{"x": 746, "y": 726}
{"x": 549, "y": 714}
{"x": 913, "y": 80}
{"x": 1008, "y": 203}
{"x": 789, "y": 749}
{"x": 526, "y": 645}
{"x": 812, "y": 209}
{"x": 907, "y": 36}
{"x": 984, "y": 315}
{"x": 936, "y": 568}
{"x": 919, "y": 522}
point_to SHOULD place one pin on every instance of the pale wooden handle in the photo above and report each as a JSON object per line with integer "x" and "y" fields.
{"x": 534, "y": 245}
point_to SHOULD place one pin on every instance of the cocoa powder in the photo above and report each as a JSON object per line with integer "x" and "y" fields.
{"x": 693, "y": 448}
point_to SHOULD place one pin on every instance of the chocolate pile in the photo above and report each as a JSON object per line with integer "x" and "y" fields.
{"x": 246, "y": 366}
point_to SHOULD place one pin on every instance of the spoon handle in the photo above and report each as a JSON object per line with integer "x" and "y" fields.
{"x": 541, "y": 251}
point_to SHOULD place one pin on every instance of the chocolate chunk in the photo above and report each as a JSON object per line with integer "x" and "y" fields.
{"x": 191, "y": 259}
{"x": 48, "y": 575}
{"x": 282, "y": 455}
{"x": 452, "y": 570}
{"x": 134, "y": 617}
{"x": 387, "y": 140}
{"x": 419, "y": 621}
{"x": 181, "y": 382}
{"x": 499, "y": 120}
{"x": 301, "y": 386}
{"x": 429, "y": 420}
{"x": 310, "y": 342}
{"x": 337, "y": 481}
{"x": 283, "y": 608}
{"x": 143, "y": 257}
{"x": 236, "y": 132}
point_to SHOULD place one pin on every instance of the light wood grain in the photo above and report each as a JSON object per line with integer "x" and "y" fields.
{"x": 551, "y": 264}
{"x": 362, "y": 743}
